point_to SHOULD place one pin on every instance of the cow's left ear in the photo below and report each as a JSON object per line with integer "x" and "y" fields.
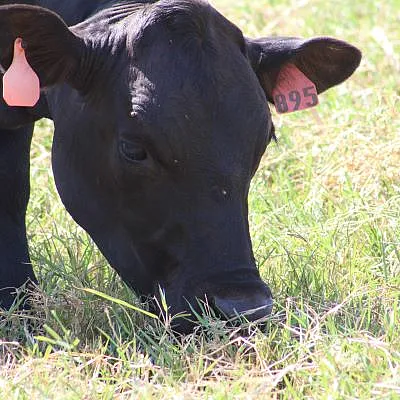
{"x": 325, "y": 61}
{"x": 51, "y": 48}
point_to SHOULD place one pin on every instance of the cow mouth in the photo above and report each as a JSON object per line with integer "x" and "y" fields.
{"x": 253, "y": 310}
{"x": 240, "y": 297}
{"x": 234, "y": 311}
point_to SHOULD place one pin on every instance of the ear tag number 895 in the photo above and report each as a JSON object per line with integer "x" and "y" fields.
{"x": 294, "y": 90}
{"x": 292, "y": 101}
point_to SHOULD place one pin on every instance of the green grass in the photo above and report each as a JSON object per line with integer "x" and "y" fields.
{"x": 325, "y": 222}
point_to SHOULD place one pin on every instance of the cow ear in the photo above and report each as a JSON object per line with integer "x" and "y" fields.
{"x": 325, "y": 61}
{"x": 51, "y": 48}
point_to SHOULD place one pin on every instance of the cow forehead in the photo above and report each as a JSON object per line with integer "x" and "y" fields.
{"x": 181, "y": 61}
{"x": 181, "y": 49}
{"x": 189, "y": 16}
{"x": 178, "y": 20}
{"x": 174, "y": 95}
{"x": 160, "y": 34}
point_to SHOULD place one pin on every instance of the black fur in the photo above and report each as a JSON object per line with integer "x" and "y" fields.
{"x": 161, "y": 119}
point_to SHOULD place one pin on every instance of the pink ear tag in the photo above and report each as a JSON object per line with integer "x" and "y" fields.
{"x": 21, "y": 86}
{"x": 293, "y": 91}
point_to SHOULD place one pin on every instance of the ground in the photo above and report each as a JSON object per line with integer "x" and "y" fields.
{"x": 325, "y": 223}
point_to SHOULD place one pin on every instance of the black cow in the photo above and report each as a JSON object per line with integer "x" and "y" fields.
{"x": 161, "y": 119}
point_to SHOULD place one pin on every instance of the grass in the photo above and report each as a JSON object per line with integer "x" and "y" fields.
{"x": 325, "y": 222}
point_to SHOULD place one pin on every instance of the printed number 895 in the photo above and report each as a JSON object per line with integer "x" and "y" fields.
{"x": 294, "y": 100}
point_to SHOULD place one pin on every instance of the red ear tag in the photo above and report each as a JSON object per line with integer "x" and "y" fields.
{"x": 293, "y": 91}
{"x": 21, "y": 86}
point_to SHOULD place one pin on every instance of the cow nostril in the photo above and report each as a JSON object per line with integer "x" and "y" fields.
{"x": 253, "y": 308}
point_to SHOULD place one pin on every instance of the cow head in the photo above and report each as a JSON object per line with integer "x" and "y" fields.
{"x": 161, "y": 119}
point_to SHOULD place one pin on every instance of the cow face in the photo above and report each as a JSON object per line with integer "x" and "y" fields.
{"x": 161, "y": 119}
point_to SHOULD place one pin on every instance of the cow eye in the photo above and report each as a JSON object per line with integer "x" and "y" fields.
{"x": 133, "y": 151}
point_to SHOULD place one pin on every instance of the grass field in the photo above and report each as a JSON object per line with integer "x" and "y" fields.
{"x": 325, "y": 222}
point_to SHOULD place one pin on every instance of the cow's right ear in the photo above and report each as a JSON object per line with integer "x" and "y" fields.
{"x": 51, "y": 48}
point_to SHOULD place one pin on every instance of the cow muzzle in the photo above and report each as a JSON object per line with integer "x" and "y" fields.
{"x": 253, "y": 308}
{"x": 232, "y": 301}
{"x": 242, "y": 296}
